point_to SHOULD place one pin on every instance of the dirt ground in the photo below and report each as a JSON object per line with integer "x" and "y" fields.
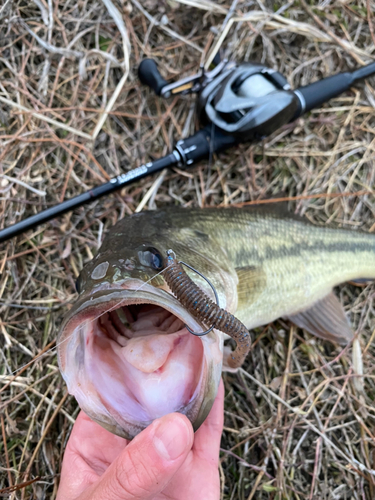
{"x": 73, "y": 114}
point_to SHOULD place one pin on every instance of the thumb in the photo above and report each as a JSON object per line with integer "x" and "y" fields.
{"x": 149, "y": 462}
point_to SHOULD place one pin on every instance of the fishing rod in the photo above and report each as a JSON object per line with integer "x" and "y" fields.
{"x": 237, "y": 102}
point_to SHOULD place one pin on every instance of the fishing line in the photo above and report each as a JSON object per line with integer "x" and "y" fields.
{"x": 173, "y": 261}
{"x": 84, "y": 323}
{"x": 34, "y": 308}
{"x": 38, "y": 357}
{"x": 150, "y": 279}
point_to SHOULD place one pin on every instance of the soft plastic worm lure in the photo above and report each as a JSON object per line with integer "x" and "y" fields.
{"x": 201, "y": 307}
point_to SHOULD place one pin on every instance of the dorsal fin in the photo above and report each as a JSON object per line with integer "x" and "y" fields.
{"x": 277, "y": 208}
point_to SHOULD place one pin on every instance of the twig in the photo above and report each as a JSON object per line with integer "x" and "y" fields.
{"x": 155, "y": 186}
{"x": 279, "y": 22}
{"x": 204, "y": 5}
{"x": 69, "y": 52}
{"x": 21, "y": 370}
{"x": 3, "y": 8}
{"x": 22, "y": 183}
{"x": 115, "y": 14}
{"x": 6, "y": 450}
{"x": 369, "y": 20}
{"x": 165, "y": 28}
{"x": 43, "y": 11}
{"x": 302, "y": 197}
{"x": 346, "y": 46}
{"x": 356, "y": 464}
{"x": 109, "y": 106}
{"x": 45, "y": 118}
{"x": 54, "y": 415}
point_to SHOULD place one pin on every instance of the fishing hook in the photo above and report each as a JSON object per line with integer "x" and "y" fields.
{"x": 202, "y": 307}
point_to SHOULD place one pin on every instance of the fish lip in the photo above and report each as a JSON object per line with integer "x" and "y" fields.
{"x": 91, "y": 306}
{"x": 130, "y": 291}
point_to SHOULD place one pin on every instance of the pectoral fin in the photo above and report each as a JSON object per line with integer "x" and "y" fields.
{"x": 325, "y": 319}
{"x": 251, "y": 283}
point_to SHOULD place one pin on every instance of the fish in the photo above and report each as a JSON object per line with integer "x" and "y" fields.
{"x": 124, "y": 350}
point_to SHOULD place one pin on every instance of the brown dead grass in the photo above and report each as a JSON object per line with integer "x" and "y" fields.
{"x": 298, "y": 429}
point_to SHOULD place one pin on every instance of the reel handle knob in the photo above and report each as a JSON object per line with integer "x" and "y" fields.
{"x": 149, "y": 75}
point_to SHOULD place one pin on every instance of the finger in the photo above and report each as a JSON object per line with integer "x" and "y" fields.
{"x": 208, "y": 436}
{"x": 88, "y": 438}
{"x": 148, "y": 463}
{"x": 89, "y": 451}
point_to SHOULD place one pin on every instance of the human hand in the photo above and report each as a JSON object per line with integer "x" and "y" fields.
{"x": 165, "y": 461}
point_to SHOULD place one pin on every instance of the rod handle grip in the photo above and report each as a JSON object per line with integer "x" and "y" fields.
{"x": 317, "y": 93}
{"x": 149, "y": 75}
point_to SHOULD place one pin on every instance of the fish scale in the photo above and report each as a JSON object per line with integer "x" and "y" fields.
{"x": 263, "y": 263}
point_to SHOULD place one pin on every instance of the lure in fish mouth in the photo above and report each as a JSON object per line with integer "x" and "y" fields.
{"x": 124, "y": 350}
{"x": 128, "y": 358}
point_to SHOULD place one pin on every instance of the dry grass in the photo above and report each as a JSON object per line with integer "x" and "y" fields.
{"x": 298, "y": 429}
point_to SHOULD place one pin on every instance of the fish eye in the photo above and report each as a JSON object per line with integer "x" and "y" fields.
{"x": 151, "y": 257}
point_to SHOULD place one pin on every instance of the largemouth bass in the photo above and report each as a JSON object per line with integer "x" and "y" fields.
{"x": 124, "y": 350}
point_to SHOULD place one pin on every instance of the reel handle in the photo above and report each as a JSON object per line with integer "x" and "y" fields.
{"x": 149, "y": 75}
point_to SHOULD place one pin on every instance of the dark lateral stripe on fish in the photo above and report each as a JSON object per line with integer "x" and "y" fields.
{"x": 295, "y": 250}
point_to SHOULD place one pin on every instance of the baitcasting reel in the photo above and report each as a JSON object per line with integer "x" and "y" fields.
{"x": 249, "y": 100}
{"x": 236, "y": 103}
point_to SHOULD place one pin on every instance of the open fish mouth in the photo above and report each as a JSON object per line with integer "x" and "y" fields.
{"x": 128, "y": 358}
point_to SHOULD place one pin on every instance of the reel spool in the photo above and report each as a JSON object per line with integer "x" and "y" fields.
{"x": 248, "y": 101}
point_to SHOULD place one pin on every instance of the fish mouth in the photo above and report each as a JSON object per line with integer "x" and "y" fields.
{"x": 128, "y": 358}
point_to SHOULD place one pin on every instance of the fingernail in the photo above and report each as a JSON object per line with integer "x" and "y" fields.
{"x": 172, "y": 437}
